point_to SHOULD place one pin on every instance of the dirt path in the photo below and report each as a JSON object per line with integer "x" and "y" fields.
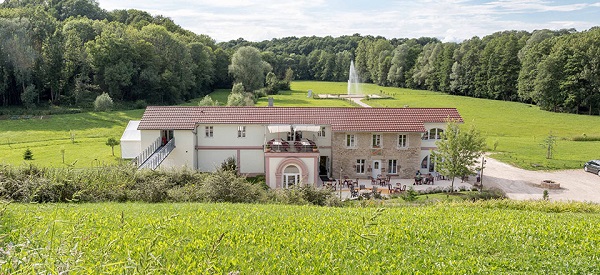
{"x": 519, "y": 184}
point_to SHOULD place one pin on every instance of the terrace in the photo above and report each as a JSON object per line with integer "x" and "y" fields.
{"x": 299, "y": 146}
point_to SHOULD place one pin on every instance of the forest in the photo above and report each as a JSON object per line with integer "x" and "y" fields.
{"x": 67, "y": 52}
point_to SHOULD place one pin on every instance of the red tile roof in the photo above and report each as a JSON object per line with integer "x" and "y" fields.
{"x": 340, "y": 118}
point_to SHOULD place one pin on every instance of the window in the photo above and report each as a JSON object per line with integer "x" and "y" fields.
{"x": 350, "y": 140}
{"x": 322, "y": 132}
{"x": 241, "y": 131}
{"x": 376, "y": 141}
{"x": 291, "y": 176}
{"x": 402, "y": 141}
{"x": 392, "y": 166}
{"x": 425, "y": 162}
{"x": 208, "y": 131}
{"x": 360, "y": 166}
{"x": 435, "y": 133}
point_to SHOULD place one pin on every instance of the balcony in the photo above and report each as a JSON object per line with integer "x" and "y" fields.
{"x": 299, "y": 146}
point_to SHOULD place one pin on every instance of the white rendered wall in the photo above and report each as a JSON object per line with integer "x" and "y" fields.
{"x": 210, "y": 160}
{"x": 227, "y": 135}
{"x": 252, "y": 162}
{"x": 148, "y": 137}
{"x": 183, "y": 154}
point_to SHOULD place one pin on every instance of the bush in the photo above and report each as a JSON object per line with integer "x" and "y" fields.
{"x": 28, "y": 155}
{"x": 103, "y": 103}
{"x": 303, "y": 194}
{"x": 227, "y": 186}
{"x": 487, "y": 194}
{"x": 410, "y": 195}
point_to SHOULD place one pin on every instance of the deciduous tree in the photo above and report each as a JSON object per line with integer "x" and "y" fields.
{"x": 458, "y": 151}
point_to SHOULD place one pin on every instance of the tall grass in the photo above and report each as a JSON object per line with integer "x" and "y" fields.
{"x": 184, "y": 238}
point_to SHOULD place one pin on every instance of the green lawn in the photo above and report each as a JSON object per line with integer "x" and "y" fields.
{"x": 181, "y": 238}
{"x": 46, "y": 138}
{"x": 518, "y": 129}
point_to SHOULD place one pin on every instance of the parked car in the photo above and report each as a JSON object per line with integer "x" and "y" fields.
{"x": 592, "y": 166}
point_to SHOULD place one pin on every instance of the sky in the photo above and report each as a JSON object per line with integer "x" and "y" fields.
{"x": 448, "y": 20}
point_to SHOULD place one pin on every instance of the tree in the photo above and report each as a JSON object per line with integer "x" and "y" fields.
{"x": 112, "y": 142}
{"x": 208, "y": 101}
{"x": 549, "y": 143}
{"x": 103, "y": 102}
{"x": 238, "y": 97}
{"x": 458, "y": 151}
{"x": 247, "y": 67}
{"x": 28, "y": 155}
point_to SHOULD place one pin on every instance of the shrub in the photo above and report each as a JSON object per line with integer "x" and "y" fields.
{"x": 229, "y": 164}
{"x": 208, "y": 101}
{"x": 28, "y": 155}
{"x": 103, "y": 103}
{"x": 227, "y": 186}
{"x": 487, "y": 194}
{"x": 410, "y": 195}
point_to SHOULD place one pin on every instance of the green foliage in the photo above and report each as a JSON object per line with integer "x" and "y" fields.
{"x": 585, "y": 137}
{"x": 112, "y": 142}
{"x": 103, "y": 103}
{"x": 410, "y": 195}
{"x": 546, "y": 195}
{"x": 208, "y": 101}
{"x": 458, "y": 151}
{"x": 240, "y": 99}
{"x": 549, "y": 143}
{"x": 226, "y": 186}
{"x": 28, "y": 155}
{"x": 229, "y": 164}
{"x": 552, "y": 238}
{"x": 247, "y": 67}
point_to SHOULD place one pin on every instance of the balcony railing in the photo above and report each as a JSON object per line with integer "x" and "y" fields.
{"x": 300, "y": 146}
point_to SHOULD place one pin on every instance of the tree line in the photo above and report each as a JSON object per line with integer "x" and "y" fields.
{"x": 66, "y": 52}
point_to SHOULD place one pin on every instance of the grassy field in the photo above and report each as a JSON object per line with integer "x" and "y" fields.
{"x": 516, "y": 129}
{"x": 461, "y": 238}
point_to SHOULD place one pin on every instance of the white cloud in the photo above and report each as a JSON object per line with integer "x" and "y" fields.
{"x": 449, "y": 20}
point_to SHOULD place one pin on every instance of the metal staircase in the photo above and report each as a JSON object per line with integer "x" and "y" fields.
{"x": 154, "y": 155}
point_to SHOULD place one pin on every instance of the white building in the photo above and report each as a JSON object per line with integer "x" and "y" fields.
{"x": 292, "y": 145}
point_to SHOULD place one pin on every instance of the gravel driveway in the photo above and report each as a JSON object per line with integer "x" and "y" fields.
{"x": 519, "y": 184}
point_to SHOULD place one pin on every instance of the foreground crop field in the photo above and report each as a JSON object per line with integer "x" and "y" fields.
{"x": 271, "y": 239}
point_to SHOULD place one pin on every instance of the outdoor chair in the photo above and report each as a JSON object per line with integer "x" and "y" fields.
{"x": 362, "y": 187}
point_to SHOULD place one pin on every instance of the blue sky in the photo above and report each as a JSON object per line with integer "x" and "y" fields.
{"x": 448, "y": 20}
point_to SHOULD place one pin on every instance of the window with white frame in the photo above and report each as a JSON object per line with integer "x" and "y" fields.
{"x": 402, "y": 141}
{"x": 360, "y": 166}
{"x": 322, "y": 132}
{"x": 241, "y": 131}
{"x": 350, "y": 140}
{"x": 435, "y": 133}
{"x": 208, "y": 131}
{"x": 392, "y": 166}
{"x": 376, "y": 141}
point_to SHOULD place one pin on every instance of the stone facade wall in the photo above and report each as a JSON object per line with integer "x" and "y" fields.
{"x": 408, "y": 158}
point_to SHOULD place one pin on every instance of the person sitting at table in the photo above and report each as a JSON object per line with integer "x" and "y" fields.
{"x": 429, "y": 179}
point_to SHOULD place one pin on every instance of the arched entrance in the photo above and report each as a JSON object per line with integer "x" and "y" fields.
{"x": 291, "y": 171}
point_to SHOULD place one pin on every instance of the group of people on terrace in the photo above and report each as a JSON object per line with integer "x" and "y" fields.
{"x": 301, "y": 145}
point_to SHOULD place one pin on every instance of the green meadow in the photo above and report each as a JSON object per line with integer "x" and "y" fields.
{"x": 514, "y": 131}
{"x": 493, "y": 237}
